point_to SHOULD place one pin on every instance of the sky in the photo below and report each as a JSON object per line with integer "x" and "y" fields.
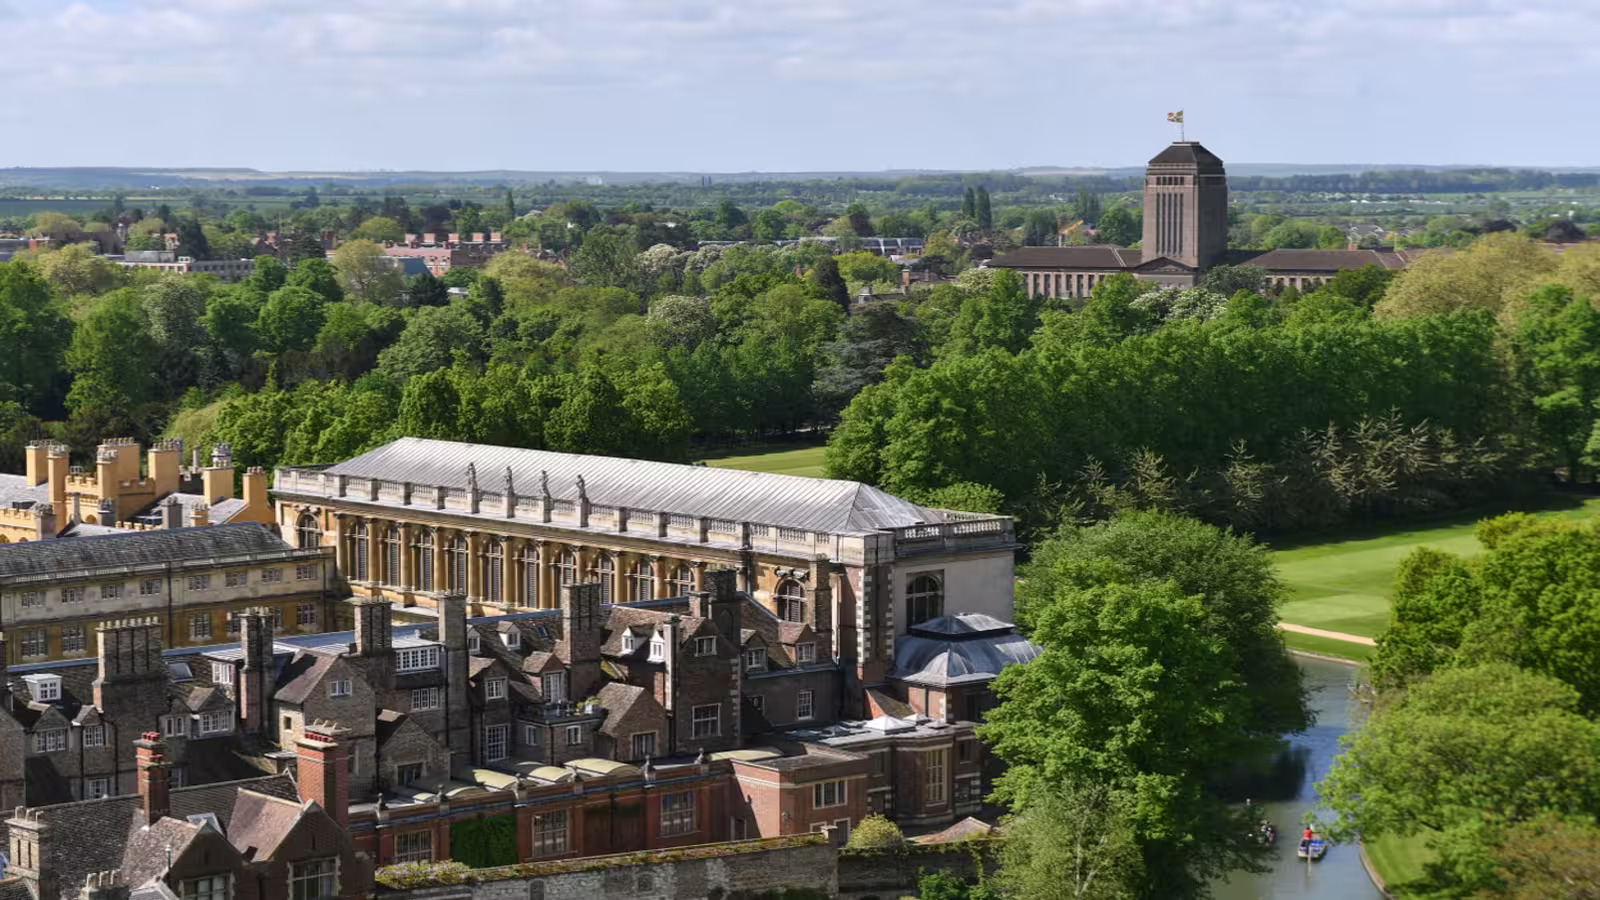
{"x": 792, "y": 85}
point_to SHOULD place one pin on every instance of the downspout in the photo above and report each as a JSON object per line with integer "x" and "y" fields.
{"x": 168, "y": 568}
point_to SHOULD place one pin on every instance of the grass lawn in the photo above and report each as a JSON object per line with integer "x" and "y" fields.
{"x": 1399, "y": 859}
{"x": 782, "y": 459}
{"x": 1344, "y": 584}
{"x": 1328, "y": 646}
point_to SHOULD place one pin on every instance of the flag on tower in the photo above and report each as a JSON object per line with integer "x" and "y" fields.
{"x": 1175, "y": 117}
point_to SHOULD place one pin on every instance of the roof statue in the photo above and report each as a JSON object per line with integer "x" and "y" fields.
{"x": 472, "y": 479}
{"x": 510, "y": 491}
{"x": 583, "y": 492}
{"x": 544, "y": 483}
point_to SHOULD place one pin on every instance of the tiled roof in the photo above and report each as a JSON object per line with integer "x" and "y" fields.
{"x": 15, "y": 491}
{"x": 617, "y": 699}
{"x": 790, "y": 501}
{"x": 1097, "y": 256}
{"x": 137, "y": 548}
{"x": 1327, "y": 260}
{"x": 263, "y": 821}
{"x": 1187, "y": 153}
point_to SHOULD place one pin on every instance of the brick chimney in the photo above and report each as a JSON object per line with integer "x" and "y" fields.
{"x": 374, "y": 625}
{"x": 321, "y": 773}
{"x": 155, "y": 776}
{"x": 453, "y": 635}
{"x": 582, "y": 625}
{"x": 165, "y": 458}
{"x": 108, "y": 885}
{"x": 258, "y": 676}
{"x": 171, "y": 513}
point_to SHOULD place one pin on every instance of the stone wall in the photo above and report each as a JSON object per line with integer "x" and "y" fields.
{"x": 796, "y": 868}
{"x": 887, "y": 874}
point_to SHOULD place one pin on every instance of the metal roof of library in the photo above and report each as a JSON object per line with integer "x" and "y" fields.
{"x": 789, "y": 501}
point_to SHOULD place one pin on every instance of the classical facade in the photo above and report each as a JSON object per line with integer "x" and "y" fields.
{"x": 508, "y": 527}
{"x": 1185, "y": 233}
{"x": 53, "y": 497}
{"x": 190, "y": 582}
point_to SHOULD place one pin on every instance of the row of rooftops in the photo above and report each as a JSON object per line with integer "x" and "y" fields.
{"x": 1110, "y": 258}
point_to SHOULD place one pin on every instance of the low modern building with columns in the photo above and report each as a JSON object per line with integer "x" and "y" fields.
{"x": 508, "y": 527}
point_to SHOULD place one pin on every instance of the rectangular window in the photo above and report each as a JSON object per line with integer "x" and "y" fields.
{"x": 413, "y": 846}
{"x": 628, "y": 642}
{"x": 828, "y": 794}
{"x": 72, "y": 595}
{"x": 964, "y": 750}
{"x": 574, "y": 735}
{"x": 150, "y": 587}
{"x": 52, "y": 741}
{"x": 93, "y": 736}
{"x": 644, "y": 744}
{"x": 339, "y": 687}
{"x": 236, "y": 579}
{"x": 530, "y": 736}
{"x": 555, "y": 687}
{"x": 316, "y": 879}
{"x": 423, "y": 699}
{"x": 72, "y": 639}
{"x": 759, "y": 702}
{"x": 755, "y": 660}
{"x": 178, "y": 778}
{"x": 933, "y": 777}
{"x": 33, "y": 642}
{"x": 658, "y": 650}
{"x": 879, "y": 764}
{"x": 271, "y": 576}
{"x": 513, "y": 639}
{"x": 677, "y": 813}
{"x": 416, "y": 659}
{"x": 212, "y": 887}
{"x": 805, "y": 653}
{"x": 175, "y": 726}
{"x": 199, "y": 582}
{"x": 305, "y": 573}
{"x": 804, "y": 705}
{"x": 221, "y": 674}
{"x": 495, "y": 689}
{"x": 408, "y": 773}
{"x": 496, "y": 741}
{"x": 550, "y": 833}
{"x": 706, "y": 721}
{"x": 200, "y": 627}
{"x": 32, "y": 599}
{"x": 215, "y": 722}
{"x": 305, "y": 614}
{"x": 107, "y": 592}
{"x": 95, "y": 788}
{"x": 705, "y": 646}
{"x": 233, "y": 624}
{"x": 277, "y": 617}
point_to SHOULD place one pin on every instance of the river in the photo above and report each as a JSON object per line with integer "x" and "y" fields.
{"x": 1340, "y": 875}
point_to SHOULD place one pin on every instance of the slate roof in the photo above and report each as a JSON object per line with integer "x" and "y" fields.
{"x": 1328, "y": 260}
{"x": 970, "y": 649}
{"x": 264, "y": 821}
{"x": 789, "y": 501}
{"x": 1093, "y": 256}
{"x": 1187, "y": 153}
{"x": 617, "y": 699}
{"x": 137, "y": 548}
{"x": 16, "y": 492}
{"x": 95, "y": 835}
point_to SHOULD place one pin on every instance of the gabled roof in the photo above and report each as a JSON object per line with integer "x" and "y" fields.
{"x": 262, "y": 822}
{"x": 137, "y": 548}
{"x": 943, "y": 655}
{"x": 790, "y": 501}
{"x": 618, "y": 700}
{"x": 1093, "y": 256}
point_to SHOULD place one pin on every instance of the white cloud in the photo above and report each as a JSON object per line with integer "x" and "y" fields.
{"x": 733, "y": 84}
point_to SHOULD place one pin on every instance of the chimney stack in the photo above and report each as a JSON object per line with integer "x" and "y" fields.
{"x": 45, "y": 515}
{"x": 38, "y": 461}
{"x": 453, "y": 635}
{"x": 200, "y": 514}
{"x": 321, "y": 772}
{"x": 155, "y": 778}
{"x": 108, "y": 885}
{"x": 171, "y": 513}
{"x": 374, "y": 625}
{"x": 255, "y": 494}
{"x": 217, "y": 479}
{"x": 165, "y": 459}
{"x": 582, "y": 625}
{"x": 259, "y": 674}
{"x": 59, "y": 466}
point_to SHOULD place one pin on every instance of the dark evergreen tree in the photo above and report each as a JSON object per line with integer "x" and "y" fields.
{"x": 969, "y": 204}
{"x": 985, "y": 214}
{"x": 829, "y": 283}
{"x": 192, "y": 240}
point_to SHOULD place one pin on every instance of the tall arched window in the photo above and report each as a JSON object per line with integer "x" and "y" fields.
{"x": 360, "y": 567}
{"x": 494, "y": 572}
{"x": 391, "y": 557}
{"x": 455, "y": 564}
{"x": 791, "y": 599}
{"x": 529, "y": 560}
{"x": 924, "y": 599}
{"x": 605, "y": 572}
{"x": 308, "y": 535}
{"x": 425, "y": 560}
{"x": 641, "y": 581}
{"x": 567, "y": 568}
{"x": 681, "y": 580}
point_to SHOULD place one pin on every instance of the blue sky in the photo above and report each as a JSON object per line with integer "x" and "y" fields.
{"x": 787, "y": 85}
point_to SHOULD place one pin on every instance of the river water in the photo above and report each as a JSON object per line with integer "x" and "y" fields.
{"x": 1340, "y": 875}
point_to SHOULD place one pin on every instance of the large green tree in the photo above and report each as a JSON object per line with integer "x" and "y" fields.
{"x": 111, "y": 355}
{"x": 33, "y": 335}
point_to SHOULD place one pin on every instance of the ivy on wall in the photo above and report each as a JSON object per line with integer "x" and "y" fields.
{"x": 484, "y": 843}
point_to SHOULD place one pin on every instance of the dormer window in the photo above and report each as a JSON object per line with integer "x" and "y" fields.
{"x": 629, "y": 644}
{"x": 705, "y": 646}
{"x": 495, "y": 689}
{"x": 513, "y": 639}
{"x": 474, "y": 642}
{"x": 44, "y": 688}
{"x": 805, "y": 653}
{"x": 416, "y": 659}
{"x": 755, "y": 660}
{"x": 658, "y": 649}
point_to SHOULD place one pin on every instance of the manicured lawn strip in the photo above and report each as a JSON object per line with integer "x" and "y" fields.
{"x": 783, "y": 459}
{"x": 1399, "y": 859}
{"x": 1328, "y": 646}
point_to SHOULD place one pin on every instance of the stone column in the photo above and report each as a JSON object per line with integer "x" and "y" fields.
{"x": 699, "y": 567}
{"x": 621, "y": 584}
{"x": 549, "y": 598}
{"x": 377, "y": 560}
{"x": 658, "y": 570}
{"x": 511, "y": 572}
{"x": 341, "y": 551}
{"x": 475, "y": 566}
{"x": 440, "y": 579}
{"x": 405, "y": 577}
